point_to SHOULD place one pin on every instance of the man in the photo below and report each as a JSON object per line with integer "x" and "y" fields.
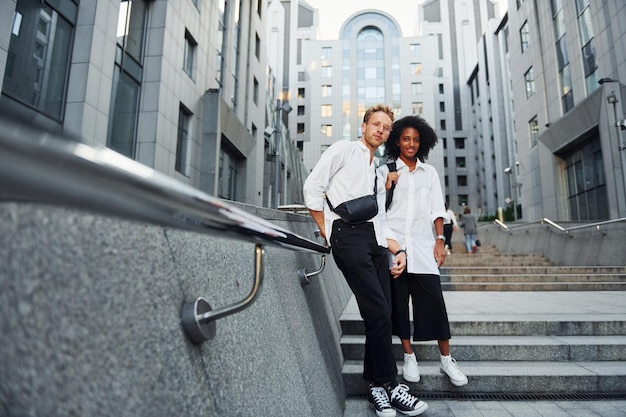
{"x": 347, "y": 171}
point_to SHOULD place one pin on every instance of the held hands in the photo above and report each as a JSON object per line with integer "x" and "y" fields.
{"x": 398, "y": 265}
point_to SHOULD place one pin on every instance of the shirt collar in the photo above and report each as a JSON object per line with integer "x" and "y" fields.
{"x": 400, "y": 164}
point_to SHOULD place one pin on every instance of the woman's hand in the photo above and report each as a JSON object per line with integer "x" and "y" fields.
{"x": 440, "y": 253}
{"x": 392, "y": 177}
{"x": 398, "y": 265}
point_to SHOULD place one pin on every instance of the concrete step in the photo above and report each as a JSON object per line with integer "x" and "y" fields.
{"x": 506, "y": 377}
{"x": 575, "y": 326}
{"x": 533, "y": 270}
{"x": 507, "y": 348}
{"x": 533, "y": 286}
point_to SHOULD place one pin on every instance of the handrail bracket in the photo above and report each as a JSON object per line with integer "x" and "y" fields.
{"x": 304, "y": 277}
{"x": 198, "y": 317}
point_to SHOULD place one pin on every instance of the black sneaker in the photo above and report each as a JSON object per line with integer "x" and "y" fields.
{"x": 379, "y": 401}
{"x": 404, "y": 402}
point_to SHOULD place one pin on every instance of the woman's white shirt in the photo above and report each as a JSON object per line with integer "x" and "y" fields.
{"x": 417, "y": 202}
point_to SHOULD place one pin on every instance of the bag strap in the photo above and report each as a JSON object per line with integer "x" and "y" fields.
{"x": 392, "y": 168}
{"x": 374, "y": 193}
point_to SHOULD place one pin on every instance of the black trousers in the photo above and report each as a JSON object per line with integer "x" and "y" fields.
{"x": 365, "y": 267}
{"x": 430, "y": 317}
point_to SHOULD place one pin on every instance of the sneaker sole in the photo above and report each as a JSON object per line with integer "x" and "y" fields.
{"x": 391, "y": 413}
{"x": 416, "y": 412}
{"x": 411, "y": 378}
{"x": 453, "y": 382}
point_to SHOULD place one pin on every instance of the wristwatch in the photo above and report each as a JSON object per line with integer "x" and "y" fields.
{"x": 440, "y": 237}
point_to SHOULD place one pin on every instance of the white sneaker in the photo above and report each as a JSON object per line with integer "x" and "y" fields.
{"x": 410, "y": 370}
{"x": 450, "y": 368}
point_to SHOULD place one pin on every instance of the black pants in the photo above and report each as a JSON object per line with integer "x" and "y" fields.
{"x": 365, "y": 266}
{"x": 430, "y": 317}
{"x": 447, "y": 233}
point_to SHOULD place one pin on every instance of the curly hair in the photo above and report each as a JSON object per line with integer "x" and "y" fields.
{"x": 428, "y": 137}
{"x": 375, "y": 109}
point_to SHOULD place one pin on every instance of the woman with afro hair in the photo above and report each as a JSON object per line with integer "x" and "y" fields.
{"x": 416, "y": 210}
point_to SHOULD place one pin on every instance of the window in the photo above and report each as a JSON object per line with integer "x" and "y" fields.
{"x": 459, "y": 143}
{"x": 442, "y": 124}
{"x": 440, "y": 88}
{"x": 257, "y": 46}
{"x": 37, "y": 62}
{"x": 259, "y": 7}
{"x": 461, "y": 180}
{"x": 301, "y": 92}
{"x": 183, "y": 155}
{"x": 524, "y": 36}
{"x": 327, "y": 90}
{"x": 462, "y": 199}
{"x": 416, "y": 88}
{"x": 301, "y": 76}
{"x": 327, "y": 110}
{"x": 228, "y": 185}
{"x": 301, "y": 128}
{"x": 126, "y": 85}
{"x": 301, "y": 111}
{"x": 255, "y": 91}
{"x": 416, "y": 68}
{"x": 417, "y": 107}
{"x": 326, "y": 52}
{"x": 530, "y": 82}
{"x": 460, "y": 162}
{"x": 326, "y": 71}
{"x": 327, "y": 130}
{"x": 533, "y": 130}
{"x": 442, "y": 106}
{"x": 190, "y": 54}
{"x": 415, "y": 49}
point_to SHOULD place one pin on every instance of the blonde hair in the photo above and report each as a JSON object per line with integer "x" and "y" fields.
{"x": 375, "y": 109}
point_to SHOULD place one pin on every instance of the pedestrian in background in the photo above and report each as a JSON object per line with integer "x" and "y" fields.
{"x": 469, "y": 229}
{"x": 346, "y": 171}
{"x": 416, "y": 210}
{"x": 449, "y": 226}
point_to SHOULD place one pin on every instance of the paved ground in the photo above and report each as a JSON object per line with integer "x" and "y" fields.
{"x": 441, "y": 408}
{"x": 519, "y": 306}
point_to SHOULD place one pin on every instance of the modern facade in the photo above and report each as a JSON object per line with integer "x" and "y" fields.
{"x": 180, "y": 86}
{"x": 374, "y": 62}
{"x": 550, "y": 80}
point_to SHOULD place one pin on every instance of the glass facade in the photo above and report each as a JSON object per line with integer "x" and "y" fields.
{"x": 38, "y": 59}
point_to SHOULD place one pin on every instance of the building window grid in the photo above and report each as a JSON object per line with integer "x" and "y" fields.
{"x": 524, "y": 36}
{"x": 182, "y": 163}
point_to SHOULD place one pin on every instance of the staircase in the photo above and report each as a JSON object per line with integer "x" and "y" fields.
{"x": 519, "y": 326}
{"x": 489, "y": 270}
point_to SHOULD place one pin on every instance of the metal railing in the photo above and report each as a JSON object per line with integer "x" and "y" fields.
{"x": 596, "y": 225}
{"x": 42, "y": 166}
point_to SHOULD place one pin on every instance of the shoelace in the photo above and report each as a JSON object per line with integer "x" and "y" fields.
{"x": 380, "y": 397}
{"x": 402, "y": 395}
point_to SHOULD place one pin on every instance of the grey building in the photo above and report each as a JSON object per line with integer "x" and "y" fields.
{"x": 552, "y": 78}
{"x": 179, "y": 86}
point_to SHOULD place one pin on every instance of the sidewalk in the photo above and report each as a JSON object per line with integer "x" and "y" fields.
{"x": 448, "y": 408}
{"x": 538, "y": 306}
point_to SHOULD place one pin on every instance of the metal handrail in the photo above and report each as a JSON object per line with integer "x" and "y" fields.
{"x": 560, "y": 228}
{"x": 54, "y": 168}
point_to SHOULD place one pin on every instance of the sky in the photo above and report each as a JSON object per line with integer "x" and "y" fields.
{"x": 333, "y": 13}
